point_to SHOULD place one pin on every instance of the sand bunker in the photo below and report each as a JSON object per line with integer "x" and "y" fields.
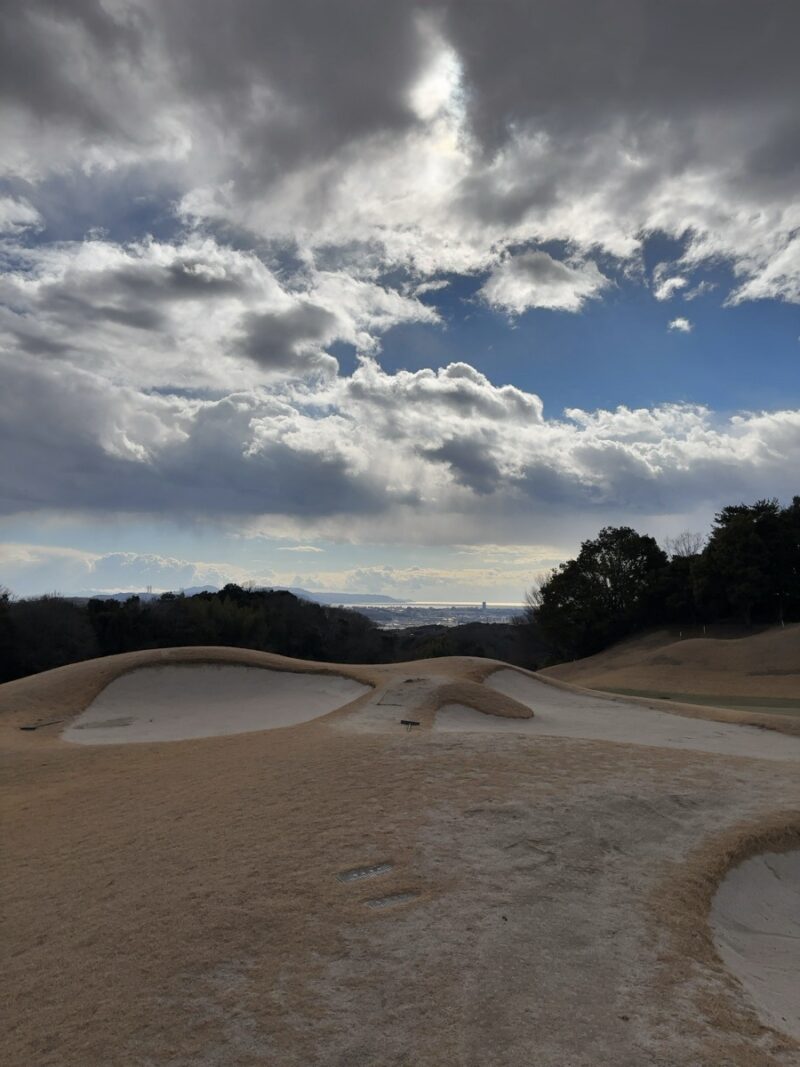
{"x": 756, "y": 921}
{"x": 174, "y": 703}
{"x": 245, "y": 879}
{"x": 559, "y": 713}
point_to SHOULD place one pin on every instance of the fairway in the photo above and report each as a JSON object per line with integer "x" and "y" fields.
{"x": 776, "y": 705}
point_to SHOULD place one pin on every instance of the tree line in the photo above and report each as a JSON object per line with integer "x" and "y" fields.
{"x": 43, "y": 632}
{"x": 747, "y": 570}
{"x": 40, "y": 633}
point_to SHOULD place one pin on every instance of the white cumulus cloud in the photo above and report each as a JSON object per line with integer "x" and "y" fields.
{"x": 680, "y": 325}
{"x": 536, "y": 280}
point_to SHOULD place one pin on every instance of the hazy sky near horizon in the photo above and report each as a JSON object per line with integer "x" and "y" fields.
{"x": 390, "y": 297}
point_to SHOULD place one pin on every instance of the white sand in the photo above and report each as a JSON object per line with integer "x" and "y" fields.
{"x": 756, "y": 920}
{"x": 559, "y": 713}
{"x": 174, "y": 703}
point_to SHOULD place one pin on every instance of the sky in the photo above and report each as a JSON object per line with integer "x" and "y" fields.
{"x": 403, "y": 298}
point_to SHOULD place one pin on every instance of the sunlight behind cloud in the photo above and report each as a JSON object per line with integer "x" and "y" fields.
{"x": 339, "y": 273}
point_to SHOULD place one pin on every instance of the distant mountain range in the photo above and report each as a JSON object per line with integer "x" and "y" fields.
{"x": 101, "y": 594}
{"x": 363, "y": 599}
{"x": 318, "y": 597}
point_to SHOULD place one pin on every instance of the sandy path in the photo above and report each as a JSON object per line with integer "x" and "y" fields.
{"x": 559, "y": 713}
{"x": 175, "y": 703}
{"x": 756, "y": 920}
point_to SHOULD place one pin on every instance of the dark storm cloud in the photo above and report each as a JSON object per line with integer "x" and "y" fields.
{"x": 311, "y": 76}
{"x": 185, "y": 279}
{"x": 37, "y": 67}
{"x": 329, "y": 73}
{"x": 133, "y": 318}
{"x": 36, "y": 344}
{"x": 129, "y": 296}
{"x": 67, "y": 438}
{"x": 340, "y": 72}
{"x": 711, "y": 84}
{"x": 642, "y": 71}
{"x": 280, "y": 481}
{"x": 470, "y": 462}
{"x": 774, "y": 164}
{"x": 579, "y": 61}
{"x": 146, "y": 282}
{"x": 277, "y": 340}
{"x": 539, "y": 267}
{"x": 137, "y": 296}
{"x": 77, "y": 309}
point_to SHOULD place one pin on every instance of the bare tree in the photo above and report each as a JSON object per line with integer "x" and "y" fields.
{"x": 533, "y": 598}
{"x": 685, "y": 545}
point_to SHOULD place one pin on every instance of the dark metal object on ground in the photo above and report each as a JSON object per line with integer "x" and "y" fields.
{"x": 408, "y": 723}
{"x": 357, "y": 873}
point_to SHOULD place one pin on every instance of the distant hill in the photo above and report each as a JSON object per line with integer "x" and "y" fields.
{"x": 98, "y": 594}
{"x": 360, "y": 599}
{"x": 316, "y": 597}
{"x": 508, "y": 642}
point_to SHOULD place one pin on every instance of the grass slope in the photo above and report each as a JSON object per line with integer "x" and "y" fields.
{"x": 758, "y": 671}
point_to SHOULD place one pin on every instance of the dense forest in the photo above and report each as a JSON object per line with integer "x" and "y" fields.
{"x": 747, "y": 570}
